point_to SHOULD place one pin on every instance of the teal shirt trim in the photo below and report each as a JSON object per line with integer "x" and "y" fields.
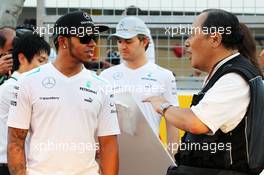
{"x": 33, "y": 72}
{"x": 3, "y": 78}
{"x": 96, "y": 77}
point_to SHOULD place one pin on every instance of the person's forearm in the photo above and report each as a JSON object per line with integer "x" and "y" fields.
{"x": 175, "y": 116}
{"x": 16, "y": 152}
{"x": 172, "y": 133}
{"x": 16, "y": 160}
{"x": 185, "y": 119}
{"x": 109, "y": 162}
{"x": 109, "y": 159}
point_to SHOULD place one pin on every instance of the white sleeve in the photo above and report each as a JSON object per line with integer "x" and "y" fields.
{"x": 170, "y": 93}
{"x": 20, "y": 107}
{"x": 108, "y": 123}
{"x": 225, "y": 104}
{"x": 6, "y": 95}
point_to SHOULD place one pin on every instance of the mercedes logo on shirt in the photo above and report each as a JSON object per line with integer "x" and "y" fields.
{"x": 117, "y": 75}
{"x": 48, "y": 82}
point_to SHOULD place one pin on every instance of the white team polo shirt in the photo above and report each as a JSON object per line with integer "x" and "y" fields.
{"x": 225, "y": 104}
{"x": 6, "y": 90}
{"x": 146, "y": 81}
{"x": 63, "y": 115}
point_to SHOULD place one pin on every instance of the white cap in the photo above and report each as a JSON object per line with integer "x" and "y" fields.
{"x": 130, "y": 27}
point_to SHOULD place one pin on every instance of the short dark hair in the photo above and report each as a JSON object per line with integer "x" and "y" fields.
{"x": 141, "y": 38}
{"x": 222, "y": 19}
{"x": 56, "y": 44}
{"x": 29, "y": 44}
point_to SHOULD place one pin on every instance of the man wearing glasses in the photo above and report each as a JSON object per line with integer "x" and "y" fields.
{"x": 65, "y": 108}
{"x": 7, "y": 34}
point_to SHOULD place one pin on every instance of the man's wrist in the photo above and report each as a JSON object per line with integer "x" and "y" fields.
{"x": 164, "y": 107}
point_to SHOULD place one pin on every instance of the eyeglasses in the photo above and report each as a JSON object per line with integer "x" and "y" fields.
{"x": 83, "y": 40}
{"x": 87, "y": 38}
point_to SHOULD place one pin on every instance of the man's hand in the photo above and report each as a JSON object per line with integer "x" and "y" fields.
{"x": 156, "y": 102}
{"x": 183, "y": 119}
{"x": 6, "y": 63}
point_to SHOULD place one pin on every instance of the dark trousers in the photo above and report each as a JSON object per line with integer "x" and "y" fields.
{"x": 4, "y": 170}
